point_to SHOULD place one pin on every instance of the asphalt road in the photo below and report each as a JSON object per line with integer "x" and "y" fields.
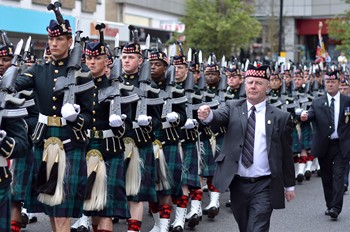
{"x": 304, "y": 214}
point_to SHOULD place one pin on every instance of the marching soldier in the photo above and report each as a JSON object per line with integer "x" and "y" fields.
{"x": 302, "y": 132}
{"x": 287, "y": 77}
{"x": 22, "y": 168}
{"x": 105, "y": 197}
{"x": 140, "y": 183}
{"x": 168, "y": 139}
{"x": 60, "y": 134}
{"x": 189, "y": 135}
{"x": 13, "y": 144}
{"x": 212, "y": 75}
{"x": 234, "y": 82}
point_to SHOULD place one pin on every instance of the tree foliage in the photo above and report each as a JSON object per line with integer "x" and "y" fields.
{"x": 339, "y": 29}
{"x": 219, "y": 26}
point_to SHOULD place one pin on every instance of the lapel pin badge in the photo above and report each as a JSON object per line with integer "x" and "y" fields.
{"x": 347, "y": 114}
{"x": 269, "y": 122}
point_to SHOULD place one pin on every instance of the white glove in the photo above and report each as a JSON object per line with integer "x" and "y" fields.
{"x": 2, "y": 135}
{"x": 70, "y": 112}
{"x": 172, "y": 117}
{"x": 116, "y": 120}
{"x": 190, "y": 123}
{"x": 298, "y": 111}
{"x": 144, "y": 120}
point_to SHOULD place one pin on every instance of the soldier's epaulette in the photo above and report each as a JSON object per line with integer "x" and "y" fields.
{"x": 7, "y": 146}
{"x": 79, "y": 123}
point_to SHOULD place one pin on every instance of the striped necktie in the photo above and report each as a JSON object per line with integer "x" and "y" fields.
{"x": 331, "y": 110}
{"x": 248, "y": 146}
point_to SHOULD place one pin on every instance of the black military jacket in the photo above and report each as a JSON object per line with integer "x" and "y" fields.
{"x": 100, "y": 121}
{"x": 171, "y": 135}
{"x": 41, "y": 78}
{"x": 143, "y": 135}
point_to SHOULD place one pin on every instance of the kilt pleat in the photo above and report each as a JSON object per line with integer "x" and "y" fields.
{"x": 190, "y": 172}
{"x": 5, "y": 209}
{"x": 174, "y": 164}
{"x": 148, "y": 176}
{"x": 74, "y": 179}
{"x": 117, "y": 203}
{"x": 22, "y": 174}
{"x": 208, "y": 167}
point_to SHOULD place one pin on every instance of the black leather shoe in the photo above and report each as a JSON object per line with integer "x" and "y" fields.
{"x": 24, "y": 220}
{"x": 83, "y": 229}
{"x": 307, "y": 175}
{"x": 212, "y": 212}
{"x": 326, "y": 212}
{"x": 178, "y": 229}
{"x": 193, "y": 221}
{"x": 300, "y": 178}
{"x": 333, "y": 214}
{"x": 228, "y": 204}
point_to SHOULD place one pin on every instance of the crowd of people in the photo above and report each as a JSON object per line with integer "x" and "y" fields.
{"x": 111, "y": 130}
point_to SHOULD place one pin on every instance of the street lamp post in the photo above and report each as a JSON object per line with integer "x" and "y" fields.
{"x": 281, "y": 29}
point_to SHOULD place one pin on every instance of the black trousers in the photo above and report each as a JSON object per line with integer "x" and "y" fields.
{"x": 251, "y": 204}
{"x": 332, "y": 174}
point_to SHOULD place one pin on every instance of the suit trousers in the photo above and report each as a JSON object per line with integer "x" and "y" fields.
{"x": 251, "y": 204}
{"x": 332, "y": 174}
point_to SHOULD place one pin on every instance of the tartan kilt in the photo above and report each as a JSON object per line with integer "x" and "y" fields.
{"x": 174, "y": 165}
{"x": 305, "y": 139}
{"x": 190, "y": 172}
{"x": 148, "y": 176}
{"x": 117, "y": 203}
{"x": 209, "y": 165}
{"x": 5, "y": 209}
{"x": 21, "y": 176}
{"x": 75, "y": 179}
{"x": 306, "y": 136}
{"x": 296, "y": 142}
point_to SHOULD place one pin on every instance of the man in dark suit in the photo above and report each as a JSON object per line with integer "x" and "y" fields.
{"x": 330, "y": 117}
{"x": 259, "y": 173}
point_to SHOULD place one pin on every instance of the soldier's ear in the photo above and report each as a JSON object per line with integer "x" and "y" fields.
{"x": 70, "y": 41}
{"x": 140, "y": 60}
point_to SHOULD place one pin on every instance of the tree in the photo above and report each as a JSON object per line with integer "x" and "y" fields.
{"x": 219, "y": 26}
{"x": 339, "y": 29}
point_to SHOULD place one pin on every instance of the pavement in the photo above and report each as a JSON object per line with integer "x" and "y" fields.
{"x": 304, "y": 214}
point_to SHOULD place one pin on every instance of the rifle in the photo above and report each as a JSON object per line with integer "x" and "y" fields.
{"x": 68, "y": 84}
{"x": 7, "y": 87}
{"x": 113, "y": 92}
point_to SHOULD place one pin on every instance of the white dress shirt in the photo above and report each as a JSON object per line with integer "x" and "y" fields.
{"x": 260, "y": 166}
{"x": 335, "y": 135}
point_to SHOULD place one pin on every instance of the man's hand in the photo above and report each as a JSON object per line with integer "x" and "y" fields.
{"x": 190, "y": 123}
{"x": 144, "y": 120}
{"x": 203, "y": 112}
{"x": 172, "y": 117}
{"x": 70, "y": 112}
{"x": 116, "y": 120}
{"x": 289, "y": 195}
{"x": 304, "y": 116}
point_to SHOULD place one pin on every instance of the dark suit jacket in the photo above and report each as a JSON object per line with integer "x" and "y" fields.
{"x": 279, "y": 147}
{"x": 319, "y": 115}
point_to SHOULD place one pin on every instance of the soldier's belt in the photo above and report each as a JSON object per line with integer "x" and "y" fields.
{"x": 52, "y": 120}
{"x": 100, "y": 134}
